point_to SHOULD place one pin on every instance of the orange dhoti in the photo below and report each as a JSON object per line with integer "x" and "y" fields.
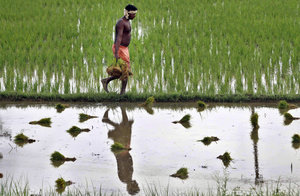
{"x": 123, "y": 54}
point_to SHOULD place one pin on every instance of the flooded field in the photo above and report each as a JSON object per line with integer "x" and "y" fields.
{"x": 158, "y": 147}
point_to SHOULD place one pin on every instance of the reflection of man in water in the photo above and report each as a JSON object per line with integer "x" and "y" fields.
{"x": 122, "y": 134}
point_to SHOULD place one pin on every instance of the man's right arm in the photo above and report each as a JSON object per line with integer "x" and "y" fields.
{"x": 119, "y": 29}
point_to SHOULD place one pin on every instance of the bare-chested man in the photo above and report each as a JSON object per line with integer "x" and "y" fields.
{"x": 121, "y": 43}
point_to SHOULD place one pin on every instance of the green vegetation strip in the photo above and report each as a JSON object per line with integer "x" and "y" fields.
{"x": 135, "y": 97}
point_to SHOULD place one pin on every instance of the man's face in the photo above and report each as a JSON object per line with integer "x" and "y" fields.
{"x": 131, "y": 16}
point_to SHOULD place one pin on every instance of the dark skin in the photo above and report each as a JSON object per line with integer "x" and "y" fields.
{"x": 123, "y": 33}
{"x": 123, "y": 36}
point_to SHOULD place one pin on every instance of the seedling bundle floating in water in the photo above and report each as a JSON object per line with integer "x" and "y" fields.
{"x": 148, "y": 104}
{"x": 58, "y": 159}
{"x": 22, "y": 139}
{"x": 84, "y": 117}
{"x": 254, "y": 120}
{"x": 182, "y": 173}
{"x": 46, "y": 122}
{"x": 184, "y": 121}
{"x": 296, "y": 141}
{"x": 283, "y": 105}
{"x": 61, "y": 185}
{"x": 117, "y": 147}
{"x": 61, "y": 107}
{"x": 75, "y": 131}
{"x": 226, "y": 159}
{"x": 201, "y": 105}
{"x": 208, "y": 140}
{"x": 119, "y": 69}
{"x": 288, "y": 118}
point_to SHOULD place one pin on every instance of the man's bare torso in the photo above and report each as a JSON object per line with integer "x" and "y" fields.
{"x": 123, "y": 25}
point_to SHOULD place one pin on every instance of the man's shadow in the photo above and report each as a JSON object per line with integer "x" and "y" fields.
{"x": 122, "y": 134}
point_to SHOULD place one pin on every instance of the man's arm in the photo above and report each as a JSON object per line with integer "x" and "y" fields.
{"x": 119, "y": 29}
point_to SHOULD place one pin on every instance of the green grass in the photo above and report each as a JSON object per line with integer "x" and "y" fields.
{"x": 11, "y": 187}
{"x": 218, "y": 49}
{"x": 138, "y": 97}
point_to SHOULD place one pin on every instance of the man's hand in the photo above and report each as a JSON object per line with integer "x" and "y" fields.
{"x": 117, "y": 57}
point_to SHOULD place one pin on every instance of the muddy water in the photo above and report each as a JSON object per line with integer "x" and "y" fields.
{"x": 159, "y": 147}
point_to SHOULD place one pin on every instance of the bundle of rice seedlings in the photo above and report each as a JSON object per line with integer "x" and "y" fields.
{"x": 85, "y": 117}
{"x": 61, "y": 185}
{"x": 296, "y": 138}
{"x": 46, "y": 122}
{"x": 119, "y": 69}
{"x": 254, "y": 120}
{"x": 283, "y": 105}
{"x": 184, "y": 121}
{"x": 288, "y": 116}
{"x": 182, "y": 173}
{"x": 149, "y": 102}
{"x": 207, "y": 140}
{"x": 74, "y": 131}
{"x": 117, "y": 147}
{"x": 226, "y": 158}
{"x": 57, "y": 156}
{"x": 61, "y": 107}
{"x": 22, "y": 139}
{"x": 201, "y": 105}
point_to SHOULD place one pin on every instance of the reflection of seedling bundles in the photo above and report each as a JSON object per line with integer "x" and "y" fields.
{"x": 119, "y": 69}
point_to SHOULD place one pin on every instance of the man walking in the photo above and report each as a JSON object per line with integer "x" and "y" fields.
{"x": 121, "y": 43}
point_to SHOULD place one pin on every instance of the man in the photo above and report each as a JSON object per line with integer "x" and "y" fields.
{"x": 121, "y": 133}
{"x": 121, "y": 43}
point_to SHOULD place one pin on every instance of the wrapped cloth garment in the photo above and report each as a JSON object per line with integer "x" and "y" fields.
{"x": 122, "y": 67}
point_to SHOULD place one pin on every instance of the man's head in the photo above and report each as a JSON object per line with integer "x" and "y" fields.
{"x": 130, "y": 11}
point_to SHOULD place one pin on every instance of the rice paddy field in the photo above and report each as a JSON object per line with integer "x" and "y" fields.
{"x": 264, "y": 155}
{"x": 206, "y": 48}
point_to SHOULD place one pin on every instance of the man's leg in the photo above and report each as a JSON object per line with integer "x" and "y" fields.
{"x": 123, "y": 87}
{"x": 105, "y": 81}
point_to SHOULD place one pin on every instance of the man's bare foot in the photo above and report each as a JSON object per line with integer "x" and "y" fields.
{"x": 104, "y": 83}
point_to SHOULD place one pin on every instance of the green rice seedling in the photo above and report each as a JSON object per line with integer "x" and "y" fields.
{"x": 46, "y": 122}
{"x": 254, "y": 120}
{"x": 58, "y": 159}
{"x": 84, "y": 117}
{"x": 61, "y": 107}
{"x": 207, "y": 140}
{"x": 117, "y": 147}
{"x": 57, "y": 156}
{"x": 61, "y": 185}
{"x": 283, "y": 105}
{"x": 149, "y": 102}
{"x": 149, "y": 110}
{"x": 22, "y": 139}
{"x": 226, "y": 158}
{"x": 288, "y": 116}
{"x": 296, "y": 138}
{"x": 201, "y": 105}
{"x": 74, "y": 131}
{"x": 184, "y": 121}
{"x": 182, "y": 173}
